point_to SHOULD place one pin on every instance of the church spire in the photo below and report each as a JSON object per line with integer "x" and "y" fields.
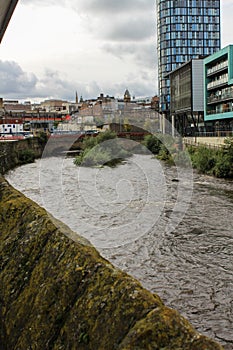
{"x": 76, "y": 97}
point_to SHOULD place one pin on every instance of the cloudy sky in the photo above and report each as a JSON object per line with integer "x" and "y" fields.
{"x": 88, "y": 46}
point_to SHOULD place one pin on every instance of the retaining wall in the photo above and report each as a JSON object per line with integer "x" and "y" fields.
{"x": 10, "y": 151}
{"x": 57, "y": 292}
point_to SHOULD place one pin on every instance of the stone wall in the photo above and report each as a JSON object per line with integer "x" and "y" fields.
{"x": 57, "y": 292}
{"x": 10, "y": 151}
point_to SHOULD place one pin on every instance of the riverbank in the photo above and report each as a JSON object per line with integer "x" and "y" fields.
{"x": 15, "y": 153}
{"x": 208, "y": 160}
{"x": 44, "y": 281}
{"x": 57, "y": 292}
{"x": 215, "y": 162}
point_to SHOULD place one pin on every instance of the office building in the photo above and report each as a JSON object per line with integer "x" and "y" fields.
{"x": 186, "y": 29}
{"x": 187, "y": 97}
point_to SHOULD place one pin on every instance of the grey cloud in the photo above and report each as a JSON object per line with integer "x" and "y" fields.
{"x": 137, "y": 86}
{"x": 46, "y": 2}
{"x": 99, "y": 7}
{"x": 111, "y": 19}
{"x": 103, "y": 7}
{"x": 136, "y": 23}
{"x": 14, "y": 80}
{"x": 129, "y": 29}
{"x": 144, "y": 53}
{"x": 56, "y": 86}
{"x": 17, "y": 84}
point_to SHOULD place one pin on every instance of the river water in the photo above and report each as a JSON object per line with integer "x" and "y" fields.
{"x": 172, "y": 229}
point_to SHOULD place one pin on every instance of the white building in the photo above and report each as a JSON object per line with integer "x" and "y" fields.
{"x": 11, "y": 128}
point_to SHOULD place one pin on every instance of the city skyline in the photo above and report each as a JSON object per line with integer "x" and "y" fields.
{"x": 51, "y": 51}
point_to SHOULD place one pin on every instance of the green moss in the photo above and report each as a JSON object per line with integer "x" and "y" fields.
{"x": 59, "y": 293}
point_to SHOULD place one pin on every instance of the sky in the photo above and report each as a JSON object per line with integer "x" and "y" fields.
{"x": 52, "y": 50}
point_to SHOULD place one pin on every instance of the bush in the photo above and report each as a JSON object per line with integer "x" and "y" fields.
{"x": 42, "y": 138}
{"x": 26, "y": 156}
{"x": 213, "y": 162}
{"x": 99, "y": 151}
{"x": 165, "y": 155}
{"x": 223, "y": 166}
{"x": 152, "y": 143}
{"x": 204, "y": 159}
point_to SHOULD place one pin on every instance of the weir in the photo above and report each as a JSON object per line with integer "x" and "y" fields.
{"x": 57, "y": 292}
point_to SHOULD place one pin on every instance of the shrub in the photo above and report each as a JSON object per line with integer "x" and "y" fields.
{"x": 223, "y": 166}
{"x": 204, "y": 159}
{"x": 42, "y": 138}
{"x": 165, "y": 155}
{"x": 208, "y": 161}
{"x": 152, "y": 143}
{"x": 100, "y": 151}
{"x": 26, "y": 156}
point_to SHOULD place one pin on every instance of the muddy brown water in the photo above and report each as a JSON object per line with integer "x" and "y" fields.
{"x": 174, "y": 234}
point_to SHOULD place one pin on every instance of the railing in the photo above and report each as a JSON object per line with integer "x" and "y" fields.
{"x": 222, "y": 111}
{"x": 192, "y": 142}
{"x": 220, "y": 97}
{"x": 217, "y": 68}
{"x": 218, "y": 82}
{"x": 223, "y": 133}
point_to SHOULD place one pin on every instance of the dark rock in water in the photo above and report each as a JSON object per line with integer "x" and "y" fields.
{"x": 57, "y": 292}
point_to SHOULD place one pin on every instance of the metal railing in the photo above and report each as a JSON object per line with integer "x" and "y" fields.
{"x": 220, "y": 97}
{"x": 217, "y": 68}
{"x": 218, "y": 133}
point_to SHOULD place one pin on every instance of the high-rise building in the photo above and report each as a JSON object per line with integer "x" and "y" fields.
{"x": 186, "y": 29}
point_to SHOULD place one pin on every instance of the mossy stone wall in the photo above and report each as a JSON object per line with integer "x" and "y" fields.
{"x": 57, "y": 292}
{"x": 10, "y": 152}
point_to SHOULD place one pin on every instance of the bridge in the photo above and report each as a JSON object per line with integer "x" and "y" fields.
{"x": 72, "y": 142}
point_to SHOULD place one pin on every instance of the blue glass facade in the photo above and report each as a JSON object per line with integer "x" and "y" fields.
{"x": 186, "y": 29}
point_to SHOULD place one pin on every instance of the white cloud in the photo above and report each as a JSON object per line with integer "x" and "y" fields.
{"x": 91, "y": 46}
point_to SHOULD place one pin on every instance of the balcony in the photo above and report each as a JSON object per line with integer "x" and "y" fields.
{"x": 220, "y": 110}
{"x": 223, "y": 97}
{"x": 217, "y": 82}
{"x": 218, "y": 68}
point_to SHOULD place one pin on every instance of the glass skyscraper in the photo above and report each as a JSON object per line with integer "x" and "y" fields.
{"x": 186, "y": 29}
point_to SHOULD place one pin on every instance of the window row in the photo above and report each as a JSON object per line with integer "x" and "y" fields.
{"x": 164, "y": 4}
{"x": 188, "y": 19}
{"x": 187, "y": 35}
{"x": 173, "y": 44}
{"x": 189, "y": 27}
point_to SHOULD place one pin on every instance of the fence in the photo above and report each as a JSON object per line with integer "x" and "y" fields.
{"x": 192, "y": 142}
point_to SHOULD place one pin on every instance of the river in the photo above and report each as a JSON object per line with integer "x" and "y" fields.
{"x": 171, "y": 229}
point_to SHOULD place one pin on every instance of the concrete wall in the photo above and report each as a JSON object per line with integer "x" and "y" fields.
{"x": 212, "y": 141}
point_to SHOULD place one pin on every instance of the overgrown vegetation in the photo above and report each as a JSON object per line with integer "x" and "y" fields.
{"x": 104, "y": 149}
{"x": 42, "y": 138}
{"x": 163, "y": 146}
{"x": 152, "y": 143}
{"x": 213, "y": 162}
{"x": 26, "y": 156}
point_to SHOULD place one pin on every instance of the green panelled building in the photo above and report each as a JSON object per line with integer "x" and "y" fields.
{"x": 218, "y": 89}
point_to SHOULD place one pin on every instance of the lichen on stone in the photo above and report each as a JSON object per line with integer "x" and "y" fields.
{"x": 57, "y": 292}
